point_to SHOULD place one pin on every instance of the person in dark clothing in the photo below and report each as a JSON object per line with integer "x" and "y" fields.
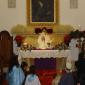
{"x": 81, "y": 67}
{"x": 67, "y": 78}
{"x": 25, "y": 69}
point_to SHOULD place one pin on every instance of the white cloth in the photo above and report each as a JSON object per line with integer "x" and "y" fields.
{"x": 44, "y": 54}
{"x": 32, "y": 80}
{"x": 74, "y": 49}
{"x": 15, "y": 47}
{"x": 23, "y": 54}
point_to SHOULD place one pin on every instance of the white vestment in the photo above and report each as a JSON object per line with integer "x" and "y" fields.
{"x": 74, "y": 49}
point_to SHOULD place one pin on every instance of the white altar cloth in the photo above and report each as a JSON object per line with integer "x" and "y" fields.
{"x": 44, "y": 54}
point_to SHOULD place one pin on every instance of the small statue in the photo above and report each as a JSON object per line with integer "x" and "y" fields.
{"x": 44, "y": 40}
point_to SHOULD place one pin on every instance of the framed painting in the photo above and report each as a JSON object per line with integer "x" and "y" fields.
{"x": 42, "y": 11}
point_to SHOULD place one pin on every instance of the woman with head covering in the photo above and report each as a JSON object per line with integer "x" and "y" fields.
{"x": 67, "y": 78}
{"x": 32, "y": 78}
{"x": 15, "y": 75}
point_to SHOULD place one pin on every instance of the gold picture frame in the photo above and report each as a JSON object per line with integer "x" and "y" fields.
{"x": 33, "y": 16}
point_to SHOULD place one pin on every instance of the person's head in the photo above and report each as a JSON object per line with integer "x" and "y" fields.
{"x": 44, "y": 30}
{"x": 24, "y": 66}
{"x": 83, "y": 47}
{"x": 13, "y": 61}
{"x": 81, "y": 56}
{"x": 68, "y": 66}
{"x": 32, "y": 69}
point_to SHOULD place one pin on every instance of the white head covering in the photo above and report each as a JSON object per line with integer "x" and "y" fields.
{"x": 69, "y": 65}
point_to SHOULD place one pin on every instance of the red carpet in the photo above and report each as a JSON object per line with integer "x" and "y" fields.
{"x": 46, "y": 76}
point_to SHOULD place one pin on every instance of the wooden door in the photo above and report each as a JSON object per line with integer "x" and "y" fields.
{"x": 6, "y": 47}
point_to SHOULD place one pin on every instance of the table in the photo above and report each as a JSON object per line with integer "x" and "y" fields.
{"x": 44, "y": 53}
{"x": 27, "y": 54}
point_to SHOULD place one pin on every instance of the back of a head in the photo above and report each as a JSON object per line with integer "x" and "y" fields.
{"x": 13, "y": 61}
{"x": 83, "y": 47}
{"x": 32, "y": 69}
{"x": 81, "y": 56}
{"x": 23, "y": 64}
{"x": 68, "y": 66}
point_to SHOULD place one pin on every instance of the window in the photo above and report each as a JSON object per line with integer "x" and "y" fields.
{"x": 73, "y": 4}
{"x": 11, "y": 3}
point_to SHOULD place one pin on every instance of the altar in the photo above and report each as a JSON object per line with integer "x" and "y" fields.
{"x": 45, "y": 57}
{"x": 44, "y": 53}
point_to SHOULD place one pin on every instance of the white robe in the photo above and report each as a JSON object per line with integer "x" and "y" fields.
{"x": 32, "y": 80}
{"x": 74, "y": 49}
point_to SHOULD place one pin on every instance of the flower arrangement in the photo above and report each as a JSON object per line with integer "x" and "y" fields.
{"x": 67, "y": 39}
{"x": 39, "y": 30}
{"x": 61, "y": 46}
{"x": 19, "y": 39}
{"x": 19, "y": 29}
{"x": 80, "y": 35}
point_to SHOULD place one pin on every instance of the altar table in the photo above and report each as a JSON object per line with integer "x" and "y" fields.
{"x": 46, "y": 62}
{"x": 41, "y": 56}
{"x": 44, "y": 53}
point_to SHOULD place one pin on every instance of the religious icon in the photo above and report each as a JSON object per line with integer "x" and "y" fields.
{"x": 42, "y": 11}
{"x": 44, "y": 40}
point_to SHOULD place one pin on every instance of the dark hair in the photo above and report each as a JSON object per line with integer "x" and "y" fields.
{"x": 13, "y": 62}
{"x": 32, "y": 69}
{"x": 81, "y": 55}
{"x": 23, "y": 64}
{"x": 83, "y": 47}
